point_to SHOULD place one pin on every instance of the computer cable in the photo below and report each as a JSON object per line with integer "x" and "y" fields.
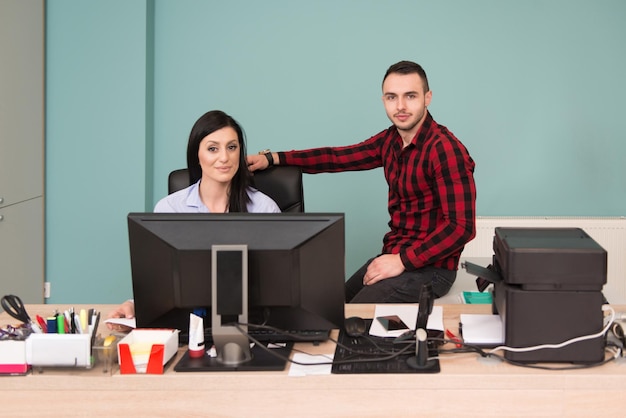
{"x": 617, "y": 348}
{"x": 372, "y": 341}
{"x": 473, "y": 349}
{"x": 330, "y": 362}
{"x": 558, "y": 368}
{"x": 465, "y": 348}
{"x": 328, "y": 357}
{"x": 618, "y": 331}
{"x": 614, "y": 349}
{"x": 564, "y": 343}
{"x": 460, "y": 348}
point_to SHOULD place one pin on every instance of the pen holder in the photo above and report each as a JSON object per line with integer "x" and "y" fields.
{"x": 105, "y": 353}
{"x": 59, "y": 350}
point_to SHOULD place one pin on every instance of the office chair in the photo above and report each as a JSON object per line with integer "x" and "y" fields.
{"x": 281, "y": 183}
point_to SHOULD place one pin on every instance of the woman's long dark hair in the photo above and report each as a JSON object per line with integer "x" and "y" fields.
{"x": 208, "y": 123}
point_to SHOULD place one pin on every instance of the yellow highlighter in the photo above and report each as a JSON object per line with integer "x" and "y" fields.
{"x": 84, "y": 322}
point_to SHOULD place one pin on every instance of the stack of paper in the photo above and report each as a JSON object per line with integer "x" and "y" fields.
{"x": 482, "y": 329}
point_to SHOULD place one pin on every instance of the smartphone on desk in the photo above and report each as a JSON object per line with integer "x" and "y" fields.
{"x": 392, "y": 323}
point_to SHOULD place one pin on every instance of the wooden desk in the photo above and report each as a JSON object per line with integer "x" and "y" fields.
{"x": 466, "y": 386}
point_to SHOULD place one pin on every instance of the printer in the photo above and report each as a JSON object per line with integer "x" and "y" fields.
{"x": 548, "y": 290}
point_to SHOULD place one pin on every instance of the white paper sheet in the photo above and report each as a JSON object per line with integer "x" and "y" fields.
{"x": 312, "y": 366}
{"x": 128, "y": 322}
{"x": 408, "y": 314}
{"x": 482, "y": 329}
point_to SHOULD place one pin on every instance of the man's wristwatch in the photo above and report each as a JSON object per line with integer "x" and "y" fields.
{"x": 268, "y": 155}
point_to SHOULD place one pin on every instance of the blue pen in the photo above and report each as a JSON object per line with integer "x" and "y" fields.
{"x": 51, "y": 324}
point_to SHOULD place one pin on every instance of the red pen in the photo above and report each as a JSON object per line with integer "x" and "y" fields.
{"x": 42, "y": 323}
{"x": 454, "y": 338}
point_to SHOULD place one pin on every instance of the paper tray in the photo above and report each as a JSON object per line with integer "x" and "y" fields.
{"x": 147, "y": 350}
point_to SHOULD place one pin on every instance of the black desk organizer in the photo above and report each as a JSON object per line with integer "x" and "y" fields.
{"x": 348, "y": 362}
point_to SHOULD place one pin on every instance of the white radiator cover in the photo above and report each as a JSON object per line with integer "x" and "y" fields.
{"x": 609, "y": 232}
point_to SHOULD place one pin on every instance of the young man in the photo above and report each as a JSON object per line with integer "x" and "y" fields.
{"x": 431, "y": 195}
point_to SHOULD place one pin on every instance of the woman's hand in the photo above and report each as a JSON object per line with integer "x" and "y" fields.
{"x": 125, "y": 310}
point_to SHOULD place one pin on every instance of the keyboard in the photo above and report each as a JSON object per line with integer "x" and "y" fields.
{"x": 270, "y": 336}
{"x": 367, "y": 355}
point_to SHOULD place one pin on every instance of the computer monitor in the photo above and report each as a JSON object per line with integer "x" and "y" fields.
{"x": 296, "y": 267}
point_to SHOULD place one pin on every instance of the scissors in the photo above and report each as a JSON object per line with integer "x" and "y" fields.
{"x": 14, "y": 306}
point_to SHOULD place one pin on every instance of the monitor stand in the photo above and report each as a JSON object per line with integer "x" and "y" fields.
{"x": 229, "y": 306}
{"x": 261, "y": 361}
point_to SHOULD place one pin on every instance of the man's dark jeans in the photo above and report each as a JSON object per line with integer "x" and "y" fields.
{"x": 404, "y": 288}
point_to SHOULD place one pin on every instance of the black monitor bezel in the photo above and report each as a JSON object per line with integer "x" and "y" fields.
{"x": 138, "y": 220}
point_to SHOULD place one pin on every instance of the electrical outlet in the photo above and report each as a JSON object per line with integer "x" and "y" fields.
{"x": 46, "y": 290}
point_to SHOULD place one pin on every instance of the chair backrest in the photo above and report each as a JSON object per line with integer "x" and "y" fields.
{"x": 281, "y": 183}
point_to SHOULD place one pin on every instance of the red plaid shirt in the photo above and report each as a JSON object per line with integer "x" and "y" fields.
{"x": 432, "y": 195}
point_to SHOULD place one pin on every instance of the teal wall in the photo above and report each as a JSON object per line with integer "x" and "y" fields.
{"x": 97, "y": 144}
{"x": 533, "y": 88}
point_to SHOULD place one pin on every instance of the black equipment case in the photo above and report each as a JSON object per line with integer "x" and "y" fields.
{"x": 550, "y": 291}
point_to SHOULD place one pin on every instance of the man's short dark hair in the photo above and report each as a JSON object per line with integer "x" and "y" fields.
{"x": 408, "y": 67}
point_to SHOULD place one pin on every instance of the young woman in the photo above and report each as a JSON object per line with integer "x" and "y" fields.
{"x": 221, "y": 181}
